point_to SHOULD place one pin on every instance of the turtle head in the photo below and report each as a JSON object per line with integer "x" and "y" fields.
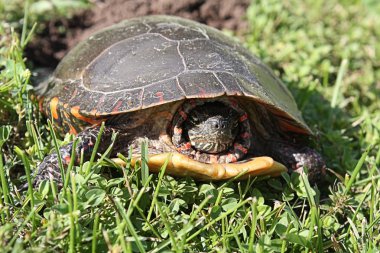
{"x": 212, "y": 127}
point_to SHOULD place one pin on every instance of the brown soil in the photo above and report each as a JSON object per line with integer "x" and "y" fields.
{"x": 52, "y": 44}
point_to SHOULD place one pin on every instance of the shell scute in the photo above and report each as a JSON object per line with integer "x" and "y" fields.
{"x": 232, "y": 86}
{"x": 179, "y": 31}
{"x": 128, "y": 100}
{"x": 160, "y": 92}
{"x": 202, "y": 85}
{"x": 85, "y": 52}
{"x": 134, "y": 63}
{"x": 209, "y": 56}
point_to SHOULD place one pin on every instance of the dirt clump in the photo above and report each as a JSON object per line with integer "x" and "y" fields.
{"x": 51, "y": 45}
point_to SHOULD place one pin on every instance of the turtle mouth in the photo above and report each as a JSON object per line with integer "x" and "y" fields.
{"x": 211, "y": 127}
{"x": 211, "y": 146}
{"x": 212, "y": 142}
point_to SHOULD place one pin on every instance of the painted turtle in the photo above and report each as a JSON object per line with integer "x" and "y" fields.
{"x": 198, "y": 99}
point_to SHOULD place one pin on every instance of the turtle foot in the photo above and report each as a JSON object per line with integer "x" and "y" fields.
{"x": 312, "y": 161}
{"x": 299, "y": 159}
{"x": 49, "y": 170}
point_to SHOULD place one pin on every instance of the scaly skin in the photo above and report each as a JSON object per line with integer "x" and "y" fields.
{"x": 212, "y": 127}
{"x": 297, "y": 158}
{"x": 183, "y": 127}
{"x": 49, "y": 168}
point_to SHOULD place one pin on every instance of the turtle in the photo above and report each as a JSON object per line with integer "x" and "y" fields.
{"x": 195, "y": 98}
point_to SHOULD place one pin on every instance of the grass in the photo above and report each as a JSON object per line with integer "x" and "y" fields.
{"x": 327, "y": 52}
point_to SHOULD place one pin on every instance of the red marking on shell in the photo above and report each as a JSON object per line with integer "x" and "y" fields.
{"x": 160, "y": 95}
{"x": 53, "y": 107}
{"x": 75, "y": 112}
{"x": 101, "y": 101}
{"x": 202, "y": 92}
{"x": 117, "y": 106}
{"x": 72, "y": 130}
{"x": 240, "y": 147}
{"x": 243, "y": 117}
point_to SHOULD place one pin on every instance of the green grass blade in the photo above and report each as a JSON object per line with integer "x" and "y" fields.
{"x": 26, "y": 163}
{"x": 95, "y": 150}
{"x": 144, "y": 162}
{"x": 25, "y": 23}
{"x": 71, "y": 164}
{"x": 72, "y": 222}
{"x": 168, "y": 228}
{"x": 21, "y": 227}
{"x": 57, "y": 150}
{"x": 95, "y": 232}
{"x": 242, "y": 203}
{"x": 129, "y": 224}
{"x": 356, "y": 170}
{"x": 253, "y": 224}
{"x": 5, "y": 132}
{"x": 120, "y": 228}
{"x": 156, "y": 191}
{"x": 338, "y": 83}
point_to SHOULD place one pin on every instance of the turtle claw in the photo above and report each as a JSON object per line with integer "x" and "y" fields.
{"x": 181, "y": 165}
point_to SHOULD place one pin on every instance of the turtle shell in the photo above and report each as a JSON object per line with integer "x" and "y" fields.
{"x": 153, "y": 60}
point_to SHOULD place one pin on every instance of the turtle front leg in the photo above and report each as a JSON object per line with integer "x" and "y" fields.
{"x": 298, "y": 158}
{"x": 49, "y": 167}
